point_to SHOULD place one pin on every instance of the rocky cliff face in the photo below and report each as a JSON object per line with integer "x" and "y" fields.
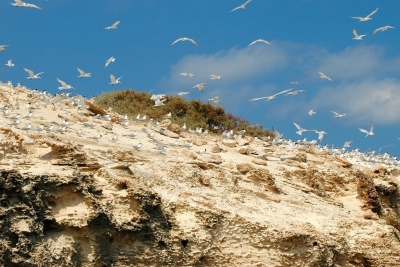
{"x": 68, "y": 200}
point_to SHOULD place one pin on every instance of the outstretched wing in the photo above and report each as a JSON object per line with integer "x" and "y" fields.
{"x": 373, "y": 12}
{"x": 337, "y": 114}
{"x": 112, "y": 77}
{"x": 63, "y": 84}
{"x": 81, "y": 72}
{"x": 116, "y": 24}
{"x": 193, "y": 41}
{"x": 355, "y": 33}
{"x": 363, "y": 131}
{"x": 31, "y": 74}
{"x": 177, "y": 40}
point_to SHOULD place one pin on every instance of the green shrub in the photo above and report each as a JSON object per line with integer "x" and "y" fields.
{"x": 194, "y": 112}
{"x": 393, "y": 221}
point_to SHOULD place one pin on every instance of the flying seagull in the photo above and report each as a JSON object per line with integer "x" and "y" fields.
{"x": 9, "y": 63}
{"x": 32, "y": 75}
{"x": 356, "y": 36}
{"x": 113, "y": 80}
{"x": 242, "y": 6}
{"x": 108, "y": 61}
{"x": 3, "y": 47}
{"x": 185, "y": 39}
{"x": 64, "y": 85}
{"x": 320, "y": 134}
{"x": 200, "y": 86}
{"x": 323, "y": 76}
{"x": 337, "y": 115}
{"x": 215, "y": 77}
{"x": 272, "y": 97}
{"x": 23, "y": 4}
{"x": 215, "y": 99}
{"x": 296, "y": 92}
{"x": 370, "y": 132}
{"x": 382, "y": 29}
{"x": 83, "y": 74}
{"x": 347, "y": 143}
{"x": 311, "y": 112}
{"x": 259, "y": 41}
{"x": 114, "y": 26}
{"x": 300, "y": 129}
{"x": 362, "y": 19}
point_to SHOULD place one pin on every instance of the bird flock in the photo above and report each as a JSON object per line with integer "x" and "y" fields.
{"x": 160, "y": 99}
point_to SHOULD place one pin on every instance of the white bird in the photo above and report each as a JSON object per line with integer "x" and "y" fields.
{"x": 61, "y": 130}
{"x": 347, "y": 143}
{"x": 3, "y": 47}
{"x": 294, "y": 82}
{"x": 382, "y": 29}
{"x": 337, "y": 115}
{"x": 184, "y": 74}
{"x": 312, "y": 112}
{"x": 320, "y": 134}
{"x": 131, "y": 135}
{"x": 113, "y": 80}
{"x": 16, "y": 122}
{"x": 323, "y": 76}
{"x": 90, "y": 125}
{"x": 23, "y": 4}
{"x": 64, "y": 85}
{"x": 9, "y": 63}
{"x": 114, "y": 26}
{"x": 278, "y": 137}
{"x": 272, "y": 97}
{"x": 242, "y": 6}
{"x": 79, "y": 132}
{"x": 182, "y": 93}
{"x": 114, "y": 138}
{"x": 83, "y": 74}
{"x": 215, "y": 99}
{"x": 159, "y": 102}
{"x": 32, "y": 75}
{"x": 51, "y": 128}
{"x": 183, "y": 128}
{"x": 370, "y": 132}
{"x": 138, "y": 146}
{"x": 169, "y": 115}
{"x": 108, "y": 61}
{"x": 356, "y": 36}
{"x": 185, "y": 39}
{"x": 201, "y": 152}
{"x": 96, "y": 137}
{"x": 300, "y": 129}
{"x": 296, "y": 92}
{"x": 215, "y": 77}
{"x": 25, "y": 128}
{"x": 366, "y": 18}
{"x": 260, "y": 41}
{"x": 40, "y": 128}
{"x": 200, "y": 86}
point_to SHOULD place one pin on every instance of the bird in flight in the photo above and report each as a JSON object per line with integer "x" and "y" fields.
{"x": 300, "y": 129}
{"x": 311, "y": 112}
{"x": 296, "y": 92}
{"x": 185, "y": 39}
{"x": 215, "y": 77}
{"x": 32, "y": 75}
{"x": 382, "y": 29}
{"x": 215, "y": 99}
{"x": 347, "y": 143}
{"x": 9, "y": 63}
{"x": 83, "y": 74}
{"x": 64, "y": 85}
{"x": 242, "y": 6}
{"x": 200, "y": 86}
{"x": 3, "y": 47}
{"x": 113, "y": 80}
{"x": 356, "y": 36}
{"x": 23, "y": 4}
{"x": 272, "y": 97}
{"x": 259, "y": 41}
{"x": 114, "y": 26}
{"x": 108, "y": 61}
{"x": 323, "y": 76}
{"x": 337, "y": 115}
{"x": 362, "y": 19}
{"x": 320, "y": 135}
{"x": 370, "y": 132}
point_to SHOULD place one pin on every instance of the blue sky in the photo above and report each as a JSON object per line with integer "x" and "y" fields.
{"x": 307, "y": 36}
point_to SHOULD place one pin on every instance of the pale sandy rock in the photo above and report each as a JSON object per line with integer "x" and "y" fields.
{"x": 165, "y": 132}
{"x": 229, "y": 143}
{"x": 174, "y": 128}
{"x": 188, "y": 153}
{"x": 242, "y": 141}
{"x": 259, "y": 161}
{"x": 165, "y": 123}
{"x": 228, "y": 165}
{"x": 368, "y": 214}
{"x": 243, "y": 150}
{"x": 216, "y": 149}
{"x": 215, "y": 158}
{"x": 244, "y": 167}
{"x": 199, "y": 142}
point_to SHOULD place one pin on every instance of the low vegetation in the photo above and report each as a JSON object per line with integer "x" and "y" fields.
{"x": 393, "y": 221}
{"x": 194, "y": 112}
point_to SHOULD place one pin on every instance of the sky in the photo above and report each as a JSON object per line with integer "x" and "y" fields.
{"x": 306, "y": 36}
